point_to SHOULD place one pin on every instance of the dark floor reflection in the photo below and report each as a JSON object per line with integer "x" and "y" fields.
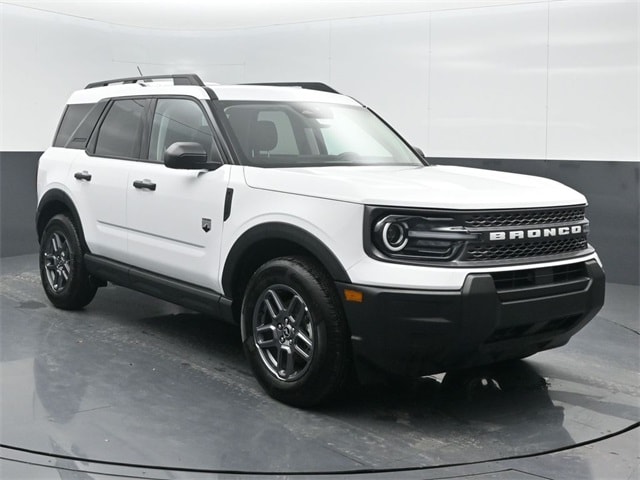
{"x": 135, "y": 380}
{"x": 466, "y": 416}
{"x": 504, "y": 410}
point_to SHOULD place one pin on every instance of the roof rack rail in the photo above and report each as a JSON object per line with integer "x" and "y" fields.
{"x": 184, "y": 79}
{"x": 322, "y": 87}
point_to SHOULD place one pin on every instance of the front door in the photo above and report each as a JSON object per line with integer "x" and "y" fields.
{"x": 175, "y": 217}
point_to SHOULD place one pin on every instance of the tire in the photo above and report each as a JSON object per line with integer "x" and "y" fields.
{"x": 296, "y": 335}
{"x": 62, "y": 271}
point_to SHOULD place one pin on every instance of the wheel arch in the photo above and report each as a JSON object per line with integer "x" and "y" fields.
{"x": 53, "y": 202}
{"x": 267, "y": 241}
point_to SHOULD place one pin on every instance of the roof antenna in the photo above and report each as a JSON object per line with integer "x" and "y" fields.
{"x": 141, "y": 81}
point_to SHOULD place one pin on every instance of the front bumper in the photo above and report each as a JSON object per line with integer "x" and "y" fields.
{"x": 494, "y": 317}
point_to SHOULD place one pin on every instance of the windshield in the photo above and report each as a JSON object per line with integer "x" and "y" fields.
{"x": 288, "y": 134}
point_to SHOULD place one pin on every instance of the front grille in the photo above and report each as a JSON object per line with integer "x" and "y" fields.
{"x": 524, "y": 249}
{"x": 484, "y": 237}
{"x": 524, "y": 217}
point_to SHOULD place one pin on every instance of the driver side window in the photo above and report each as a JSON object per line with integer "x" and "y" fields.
{"x": 178, "y": 120}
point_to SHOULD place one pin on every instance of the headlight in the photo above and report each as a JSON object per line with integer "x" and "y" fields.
{"x": 394, "y": 235}
{"x": 416, "y": 237}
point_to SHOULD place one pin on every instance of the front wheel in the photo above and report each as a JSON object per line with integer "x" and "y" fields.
{"x": 62, "y": 271}
{"x": 296, "y": 337}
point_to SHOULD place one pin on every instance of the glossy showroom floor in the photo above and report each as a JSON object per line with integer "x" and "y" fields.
{"x": 136, "y": 387}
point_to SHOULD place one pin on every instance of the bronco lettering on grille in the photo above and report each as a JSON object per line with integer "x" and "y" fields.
{"x": 535, "y": 233}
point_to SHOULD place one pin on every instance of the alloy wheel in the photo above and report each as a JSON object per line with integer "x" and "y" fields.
{"x": 57, "y": 262}
{"x": 283, "y": 333}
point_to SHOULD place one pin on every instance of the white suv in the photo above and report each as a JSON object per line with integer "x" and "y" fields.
{"x": 301, "y": 215}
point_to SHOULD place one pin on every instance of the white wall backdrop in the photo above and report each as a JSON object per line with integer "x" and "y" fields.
{"x": 554, "y": 79}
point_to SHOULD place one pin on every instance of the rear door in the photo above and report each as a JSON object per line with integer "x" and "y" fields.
{"x": 98, "y": 176}
{"x": 175, "y": 217}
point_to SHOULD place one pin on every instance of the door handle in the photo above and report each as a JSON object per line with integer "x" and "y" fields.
{"x": 83, "y": 175}
{"x": 146, "y": 184}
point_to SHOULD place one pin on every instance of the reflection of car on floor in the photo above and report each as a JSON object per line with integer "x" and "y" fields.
{"x": 299, "y": 214}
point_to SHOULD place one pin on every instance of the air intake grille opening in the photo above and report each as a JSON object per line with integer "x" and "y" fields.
{"x": 567, "y": 273}
{"x": 539, "y": 276}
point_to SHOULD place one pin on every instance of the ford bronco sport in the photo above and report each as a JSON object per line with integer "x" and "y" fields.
{"x": 299, "y": 214}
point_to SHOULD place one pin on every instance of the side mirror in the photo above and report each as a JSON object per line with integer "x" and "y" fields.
{"x": 419, "y": 151}
{"x": 189, "y": 156}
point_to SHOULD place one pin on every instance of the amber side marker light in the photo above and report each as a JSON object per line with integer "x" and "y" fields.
{"x": 353, "y": 296}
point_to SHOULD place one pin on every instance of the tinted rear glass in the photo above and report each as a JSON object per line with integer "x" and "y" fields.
{"x": 121, "y": 131}
{"x": 71, "y": 118}
{"x": 80, "y": 136}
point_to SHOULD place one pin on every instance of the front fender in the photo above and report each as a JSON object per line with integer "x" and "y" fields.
{"x": 285, "y": 232}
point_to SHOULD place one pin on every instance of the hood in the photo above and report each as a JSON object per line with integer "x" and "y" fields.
{"x": 446, "y": 187}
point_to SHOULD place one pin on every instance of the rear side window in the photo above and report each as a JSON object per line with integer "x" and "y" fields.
{"x": 71, "y": 118}
{"x": 120, "y": 134}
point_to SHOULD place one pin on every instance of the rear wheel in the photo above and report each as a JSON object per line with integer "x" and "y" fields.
{"x": 64, "y": 277}
{"x": 296, "y": 336}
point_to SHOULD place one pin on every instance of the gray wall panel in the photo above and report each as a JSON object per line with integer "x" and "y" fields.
{"x": 18, "y": 202}
{"x": 611, "y": 187}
